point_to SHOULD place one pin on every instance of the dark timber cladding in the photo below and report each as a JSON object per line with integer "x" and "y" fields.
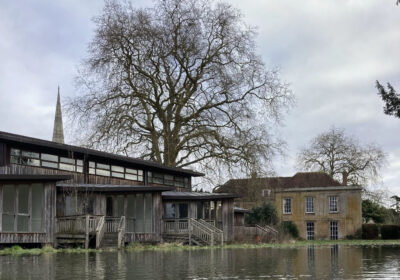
{"x": 61, "y": 194}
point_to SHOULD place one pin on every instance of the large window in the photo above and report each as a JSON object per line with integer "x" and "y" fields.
{"x": 169, "y": 180}
{"x": 334, "y": 231}
{"x": 309, "y": 204}
{"x": 22, "y": 208}
{"x": 45, "y": 160}
{"x": 333, "y": 204}
{"x": 176, "y": 210}
{"x": 287, "y": 206}
{"x": 139, "y": 213}
{"x": 115, "y": 171}
{"x": 310, "y": 230}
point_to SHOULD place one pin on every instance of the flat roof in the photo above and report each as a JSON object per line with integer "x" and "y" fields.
{"x": 113, "y": 188}
{"x": 16, "y": 177}
{"x": 173, "y": 195}
{"x": 241, "y": 210}
{"x": 50, "y": 144}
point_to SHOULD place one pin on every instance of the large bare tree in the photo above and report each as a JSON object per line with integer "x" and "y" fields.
{"x": 342, "y": 157}
{"x": 181, "y": 84}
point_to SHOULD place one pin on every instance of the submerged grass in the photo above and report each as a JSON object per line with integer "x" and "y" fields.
{"x": 137, "y": 247}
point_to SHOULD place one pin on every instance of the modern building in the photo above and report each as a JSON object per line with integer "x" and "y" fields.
{"x": 320, "y": 206}
{"x": 54, "y": 193}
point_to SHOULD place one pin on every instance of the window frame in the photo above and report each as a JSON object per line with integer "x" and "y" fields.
{"x": 334, "y": 230}
{"x": 333, "y": 200}
{"x": 310, "y": 230}
{"x": 310, "y": 210}
{"x": 284, "y": 209}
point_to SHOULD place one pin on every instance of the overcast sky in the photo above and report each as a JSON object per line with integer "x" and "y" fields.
{"x": 331, "y": 52}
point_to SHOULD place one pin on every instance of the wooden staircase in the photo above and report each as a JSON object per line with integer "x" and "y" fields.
{"x": 191, "y": 231}
{"x": 106, "y": 231}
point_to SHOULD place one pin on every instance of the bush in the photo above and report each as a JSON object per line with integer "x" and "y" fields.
{"x": 263, "y": 215}
{"x": 289, "y": 227}
{"x": 390, "y": 231}
{"x": 370, "y": 231}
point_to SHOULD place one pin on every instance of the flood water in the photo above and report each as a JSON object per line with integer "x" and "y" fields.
{"x": 319, "y": 262}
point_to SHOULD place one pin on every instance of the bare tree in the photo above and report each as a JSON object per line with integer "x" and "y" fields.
{"x": 342, "y": 157}
{"x": 391, "y": 99}
{"x": 179, "y": 83}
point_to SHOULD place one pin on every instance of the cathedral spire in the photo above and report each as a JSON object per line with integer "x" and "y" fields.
{"x": 58, "y": 131}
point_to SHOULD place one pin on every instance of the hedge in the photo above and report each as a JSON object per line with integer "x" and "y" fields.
{"x": 390, "y": 231}
{"x": 370, "y": 231}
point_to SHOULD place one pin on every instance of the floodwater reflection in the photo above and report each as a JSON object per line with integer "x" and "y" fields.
{"x": 312, "y": 262}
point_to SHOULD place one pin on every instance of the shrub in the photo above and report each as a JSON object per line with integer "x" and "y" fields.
{"x": 263, "y": 215}
{"x": 390, "y": 231}
{"x": 289, "y": 227}
{"x": 370, "y": 231}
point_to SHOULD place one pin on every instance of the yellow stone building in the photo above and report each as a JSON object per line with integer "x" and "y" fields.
{"x": 320, "y": 206}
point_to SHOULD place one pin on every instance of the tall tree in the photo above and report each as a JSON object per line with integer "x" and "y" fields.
{"x": 391, "y": 99}
{"x": 342, "y": 157}
{"x": 179, "y": 83}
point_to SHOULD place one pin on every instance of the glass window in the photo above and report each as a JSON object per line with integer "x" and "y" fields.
{"x": 30, "y": 154}
{"x": 148, "y": 203}
{"x": 117, "y": 169}
{"x": 309, "y": 204}
{"x": 49, "y": 157}
{"x": 37, "y": 205}
{"x": 9, "y": 199}
{"x": 15, "y": 152}
{"x": 117, "y": 175}
{"x": 103, "y": 166}
{"x": 287, "y": 206}
{"x": 31, "y": 161}
{"x": 169, "y": 180}
{"x": 333, "y": 204}
{"x": 310, "y": 231}
{"x": 8, "y": 222}
{"x": 79, "y": 169}
{"x": 130, "y": 213}
{"x": 199, "y": 210}
{"x": 170, "y": 210}
{"x": 79, "y": 162}
{"x": 49, "y": 164}
{"x": 183, "y": 210}
{"x": 131, "y": 177}
{"x": 120, "y": 201}
{"x": 139, "y": 213}
{"x": 333, "y": 228}
{"x": 131, "y": 171}
{"x": 23, "y": 198}
{"x": 91, "y": 164}
{"x": 102, "y": 172}
{"x": 67, "y": 167}
{"x": 67, "y": 160}
{"x": 92, "y": 171}
{"x": 23, "y": 223}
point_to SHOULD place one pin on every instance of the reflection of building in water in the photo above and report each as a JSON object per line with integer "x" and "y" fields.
{"x": 311, "y": 259}
{"x": 334, "y": 261}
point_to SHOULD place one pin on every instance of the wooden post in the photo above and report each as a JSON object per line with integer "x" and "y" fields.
{"x": 212, "y": 238}
{"x": 190, "y": 232}
{"x": 87, "y": 232}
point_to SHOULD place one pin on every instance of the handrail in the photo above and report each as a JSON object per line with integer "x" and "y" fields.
{"x": 121, "y": 232}
{"x": 200, "y": 231}
{"x": 268, "y": 230}
{"x": 100, "y": 232}
{"x": 210, "y": 225}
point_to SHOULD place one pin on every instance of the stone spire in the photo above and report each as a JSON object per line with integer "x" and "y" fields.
{"x": 58, "y": 131}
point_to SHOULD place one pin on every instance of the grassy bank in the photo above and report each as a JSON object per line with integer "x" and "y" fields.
{"x": 137, "y": 247}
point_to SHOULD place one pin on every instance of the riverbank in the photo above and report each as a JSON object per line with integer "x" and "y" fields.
{"x": 135, "y": 247}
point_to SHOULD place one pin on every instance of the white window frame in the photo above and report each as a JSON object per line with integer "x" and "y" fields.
{"x": 334, "y": 230}
{"x": 287, "y": 210}
{"x": 310, "y": 209}
{"x": 333, "y": 201}
{"x": 310, "y": 230}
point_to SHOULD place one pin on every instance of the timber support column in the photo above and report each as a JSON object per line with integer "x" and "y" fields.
{"x": 227, "y": 219}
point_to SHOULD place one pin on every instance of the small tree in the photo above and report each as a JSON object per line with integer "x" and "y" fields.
{"x": 263, "y": 215}
{"x": 373, "y": 211}
{"x": 342, "y": 157}
{"x": 391, "y": 99}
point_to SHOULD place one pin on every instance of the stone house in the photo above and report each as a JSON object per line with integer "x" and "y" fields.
{"x": 320, "y": 206}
